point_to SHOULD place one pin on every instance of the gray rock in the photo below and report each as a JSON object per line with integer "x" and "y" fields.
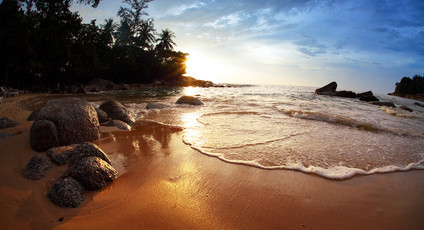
{"x": 119, "y": 124}
{"x": 75, "y": 120}
{"x": 6, "y": 122}
{"x": 152, "y": 105}
{"x": 102, "y": 115}
{"x": 366, "y": 94}
{"x": 117, "y": 111}
{"x": 380, "y": 103}
{"x": 347, "y": 94}
{"x": 406, "y": 108}
{"x": 368, "y": 98}
{"x": 92, "y": 172}
{"x": 37, "y": 167}
{"x": 87, "y": 150}
{"x": 4, "y": 136}
{"x": 67, "y": 193}
{"x": 328, "y": 88}
{"x": 60, "y": 155}
{"x": 43, "y": 135}
{"x": 190, "y": 100}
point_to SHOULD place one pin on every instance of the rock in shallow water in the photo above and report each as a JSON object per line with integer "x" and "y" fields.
{"x": 189, "y": 100}
{"x": 119, "y": 124}
{"x": 60, "y": 155}
{"x": 67, "y": 193}
{"x": 6, "y": 122}
{"x": 152, "y": 105}
{"x": 43, "y": 135}
{"x": 330, "y": 88}
{"x": 92, "y": 172}
{"x": 37, "y": 167}
{"x": 117, "y": 111}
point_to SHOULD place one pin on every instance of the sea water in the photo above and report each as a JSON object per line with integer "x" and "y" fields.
{"x": 288, "y": 127}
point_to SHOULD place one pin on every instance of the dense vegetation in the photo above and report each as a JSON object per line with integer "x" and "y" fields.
{"x": 408, "y": 86}
{"x": 44, "y": 44}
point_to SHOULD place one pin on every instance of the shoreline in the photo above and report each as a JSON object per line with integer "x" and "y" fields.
{"x": 165, "y": 184}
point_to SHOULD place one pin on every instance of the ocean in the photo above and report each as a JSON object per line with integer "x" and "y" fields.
{"x": 290, "y": 128}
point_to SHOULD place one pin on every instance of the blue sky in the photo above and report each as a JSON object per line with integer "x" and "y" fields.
{"x": 361, "y": 44}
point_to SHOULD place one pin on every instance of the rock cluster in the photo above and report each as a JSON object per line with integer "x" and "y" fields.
{"x": 117, "y": 111}
{"x": 189, "y": 100}
{"x": 89, "y": 169}
{"x": 6, "y": 122}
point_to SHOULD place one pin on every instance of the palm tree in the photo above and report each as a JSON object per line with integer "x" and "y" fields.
{"x": 133, "y": 14}
{"x": 145, "y": 34}
{"x": 108, "y": 30}
{"x": 165, "y": 40}
{"x": 124, "y": 34}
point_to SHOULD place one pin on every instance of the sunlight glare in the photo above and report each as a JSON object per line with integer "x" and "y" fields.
{"x": 203, "y": 67}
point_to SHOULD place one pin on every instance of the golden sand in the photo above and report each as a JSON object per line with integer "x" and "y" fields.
{"x": 164, "y": 184}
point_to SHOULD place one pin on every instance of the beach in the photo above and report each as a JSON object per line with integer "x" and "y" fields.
{"x": 165, "y": 184}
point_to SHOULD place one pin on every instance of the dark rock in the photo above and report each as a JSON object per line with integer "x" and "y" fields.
{"x": 368, "y": 98}
{"x": 67, "y": 193}
{"x": 60, "y": 155}
{"x": 406, "y": 108}
{"x": 365, "y": 94}
{"x": 43, "y": 135}
{"x": 82, "y": 90}
{"x": 34, "y": 114}
{"x": 95, "y": 89}
{"x": 380, "y": 103}
{"x": 75, "y": 120}
{"x": 87, "y": 150}
{"x": 152, "y": 105}
{"x": 102, "y": 84}
{"x": 6, "y": 135}
{"x": 117, "y": 111}
{"x": 328, "y": 88}
{"x": 190, "y": 100}
{"x": 37, "y": 167}
{"x": 102, "y": 115}
{"x": 347, "y": 94}
{"x": 119, "y": 124}
{"x": 6, "y": 122}
{"x": 92, "y": 172}
{"x": 73, "y": 89}
{"x": 418, "y": 104}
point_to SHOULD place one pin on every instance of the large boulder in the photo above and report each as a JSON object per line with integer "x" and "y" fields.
{"x": 368, "y": 98}
{"x": 189, "y": 100}
{"x": 67, "y": 193}
{"x": 365, "y": 94}
{"x": 75, "y": 120}
{"x": 6, "y": 122}
{"x": 86, "y": 150}
{"x": 117, "y": 111}
{"x": 330, "y": 88}
{"x": 60, "y": 155}
{"x": 37, "y": 167}
{"x": 92, "y": 172}
{"x": 43, "y": 135}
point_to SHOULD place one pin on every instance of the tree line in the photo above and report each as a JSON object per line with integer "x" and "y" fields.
{"x": 410, "y": 86}
{"x": 43, "y": 43}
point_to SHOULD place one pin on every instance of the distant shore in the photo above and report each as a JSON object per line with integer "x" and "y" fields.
{"x": 165, "y": 184}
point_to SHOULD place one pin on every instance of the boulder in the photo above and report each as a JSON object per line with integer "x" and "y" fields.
{"x": 43, "y": 135}
{"x": 92, "y": 172}
{"x": 6, "y": 122}
{"x": 365, "y": 94}
{"x": 347, "y": 94}
{"x": 73, "y": 89}
{"x": 190, "y": 100}
{"x": 368, "y": 98}
{"x": 37, "y": 167}
{"x": 82, "y": 90}
{"x": 330, "y": 88}
{"x": 102, "y": 84}
{"x": 117, "y": 111}
{"x": 380, "y": 103}
{"x": 34, "y": 114}
{"x": 67, "y": 193}
{"x": 406, "y": 108}
{"x": 101, "y": 115}
{"x": 119, "y": 124}
{"x": 87, "y": 150}
{"x": 152, "y": 105}
{"x": 75, "y": 120}
{"x": 60, "y": 155}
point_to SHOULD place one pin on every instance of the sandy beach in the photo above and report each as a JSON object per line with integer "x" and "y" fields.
{"x": 165, "y": 184}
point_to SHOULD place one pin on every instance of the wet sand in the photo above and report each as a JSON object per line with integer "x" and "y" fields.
{"x": 164, "y": 184}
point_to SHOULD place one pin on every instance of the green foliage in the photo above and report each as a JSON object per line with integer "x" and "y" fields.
{"x": 410, "y": 86}
{"x": 43, "y": 42}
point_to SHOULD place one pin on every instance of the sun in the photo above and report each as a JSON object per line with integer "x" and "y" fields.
{"x": 203, "y": 67}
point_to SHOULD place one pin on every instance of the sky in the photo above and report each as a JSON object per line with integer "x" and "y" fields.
{"x": 360, "y": 44}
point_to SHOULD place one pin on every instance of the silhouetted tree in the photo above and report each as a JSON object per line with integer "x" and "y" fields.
{"x": 108, "y": 30}
{"x": 165, "y": 40}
